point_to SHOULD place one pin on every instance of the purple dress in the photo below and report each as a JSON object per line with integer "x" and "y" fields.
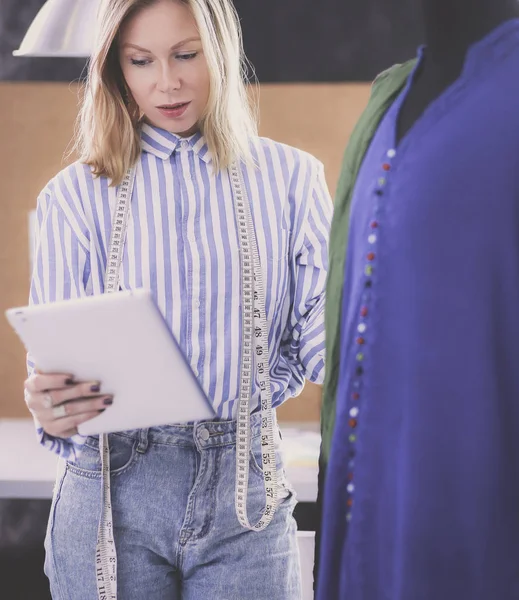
{"x": 422, "y": 492}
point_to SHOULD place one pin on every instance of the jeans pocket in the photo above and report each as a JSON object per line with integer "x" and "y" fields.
{"x": 285, "y": 490}
{"x": 123, "y": 453}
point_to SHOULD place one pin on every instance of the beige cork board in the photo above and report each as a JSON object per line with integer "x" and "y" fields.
{"x": 36, "y": 125}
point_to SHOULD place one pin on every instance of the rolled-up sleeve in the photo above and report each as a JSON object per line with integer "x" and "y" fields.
{"x": 61, "y": 271}
{"x": 304, "y": 339}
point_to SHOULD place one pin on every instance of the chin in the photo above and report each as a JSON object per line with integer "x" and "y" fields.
{"x": 177, "y": 128}
{"x": 184, "y": 127}
{"x": 183, "y": 131}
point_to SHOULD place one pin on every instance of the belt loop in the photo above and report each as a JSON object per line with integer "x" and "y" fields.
{"x": 142, "y": 446}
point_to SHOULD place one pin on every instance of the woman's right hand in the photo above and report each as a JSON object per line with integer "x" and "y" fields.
{"x": 60, "y": 404}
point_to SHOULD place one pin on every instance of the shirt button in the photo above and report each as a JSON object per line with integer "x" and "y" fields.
{"x": 391, "y": 153}
{"x": 197, "y": 303}
{"x": 203, "y": 434}
{"x": 372, "y": 238}
{"x": 184, "y": 144}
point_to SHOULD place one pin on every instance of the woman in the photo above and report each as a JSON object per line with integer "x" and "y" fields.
{"x": 166, "y": 103}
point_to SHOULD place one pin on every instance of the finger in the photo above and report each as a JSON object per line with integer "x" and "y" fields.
{"x": 77, "y": 407}
{"x": 39, "y": 382}
{"x": 67, "y": 427}
{"x": 52, "y": 397}
{"x": 37, "y": 401}
{"x": 76, "y": 392}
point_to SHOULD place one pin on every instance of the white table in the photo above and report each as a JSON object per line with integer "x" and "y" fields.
{"x": 28, "y": 471}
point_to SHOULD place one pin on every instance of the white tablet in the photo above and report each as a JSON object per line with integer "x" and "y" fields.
{"x": 121, "y": 340}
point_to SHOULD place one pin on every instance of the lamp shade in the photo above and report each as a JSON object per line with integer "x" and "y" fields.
{"x": 61, "y": 28}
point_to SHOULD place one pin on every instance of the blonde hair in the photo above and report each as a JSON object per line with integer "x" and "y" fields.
{"x": 108, "y": 127}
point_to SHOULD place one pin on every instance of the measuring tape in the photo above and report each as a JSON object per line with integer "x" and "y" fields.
{"x": 254, "y": 351}
{"x": 106, "y": 555}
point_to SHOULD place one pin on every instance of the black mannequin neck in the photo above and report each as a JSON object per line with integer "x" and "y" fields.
{"x": 451, "y": 26}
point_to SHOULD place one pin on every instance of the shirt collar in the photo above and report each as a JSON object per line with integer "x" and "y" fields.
{"x": 162, "y": 143}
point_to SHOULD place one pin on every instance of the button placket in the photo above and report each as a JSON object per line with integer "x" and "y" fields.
{"x": 361, "y": 340}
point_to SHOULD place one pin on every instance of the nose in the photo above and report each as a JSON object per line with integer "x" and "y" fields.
{"x": 169, "y": 81}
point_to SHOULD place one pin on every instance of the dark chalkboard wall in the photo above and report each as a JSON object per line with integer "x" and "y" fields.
{"x": 286, "y": 40}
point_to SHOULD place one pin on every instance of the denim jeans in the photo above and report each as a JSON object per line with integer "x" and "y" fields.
{"x": 175, "y": 527}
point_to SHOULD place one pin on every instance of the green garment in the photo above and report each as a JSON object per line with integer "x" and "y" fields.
{"x": 385, "y": 90}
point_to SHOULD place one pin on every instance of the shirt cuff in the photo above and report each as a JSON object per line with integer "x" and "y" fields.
{"x": 66, "y": 448}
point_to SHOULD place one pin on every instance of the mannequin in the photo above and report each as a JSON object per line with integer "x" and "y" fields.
{"x": 451, "y": 26}
{"x": 421, "y": 492}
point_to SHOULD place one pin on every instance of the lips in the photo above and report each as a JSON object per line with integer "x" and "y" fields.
{"x": 173, "y": 111}
{"x": 173, "y": 106}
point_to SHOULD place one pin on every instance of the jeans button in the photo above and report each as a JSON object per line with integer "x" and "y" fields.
{"x": 204, "y": 434}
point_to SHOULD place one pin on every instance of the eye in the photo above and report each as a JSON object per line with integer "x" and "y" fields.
{"x": 187, "y": 56}
{"x": 140, "y": 63}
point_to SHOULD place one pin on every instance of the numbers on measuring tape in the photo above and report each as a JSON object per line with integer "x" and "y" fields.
{"x": 255, "y": 351}
{"x": 106, "y": 554}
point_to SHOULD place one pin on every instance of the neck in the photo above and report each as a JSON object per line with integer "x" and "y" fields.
{"x": 451, "y": 26}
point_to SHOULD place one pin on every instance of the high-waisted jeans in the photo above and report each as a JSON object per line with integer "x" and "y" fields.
{"x": 175, "y": 526}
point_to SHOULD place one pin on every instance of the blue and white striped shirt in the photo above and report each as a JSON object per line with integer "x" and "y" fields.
{"x": 182, "y": 243}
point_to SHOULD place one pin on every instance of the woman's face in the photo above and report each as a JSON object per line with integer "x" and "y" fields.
{"x": 163, "y": 63}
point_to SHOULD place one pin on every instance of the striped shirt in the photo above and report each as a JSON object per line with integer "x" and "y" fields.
{"x": 182, "y": 244}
